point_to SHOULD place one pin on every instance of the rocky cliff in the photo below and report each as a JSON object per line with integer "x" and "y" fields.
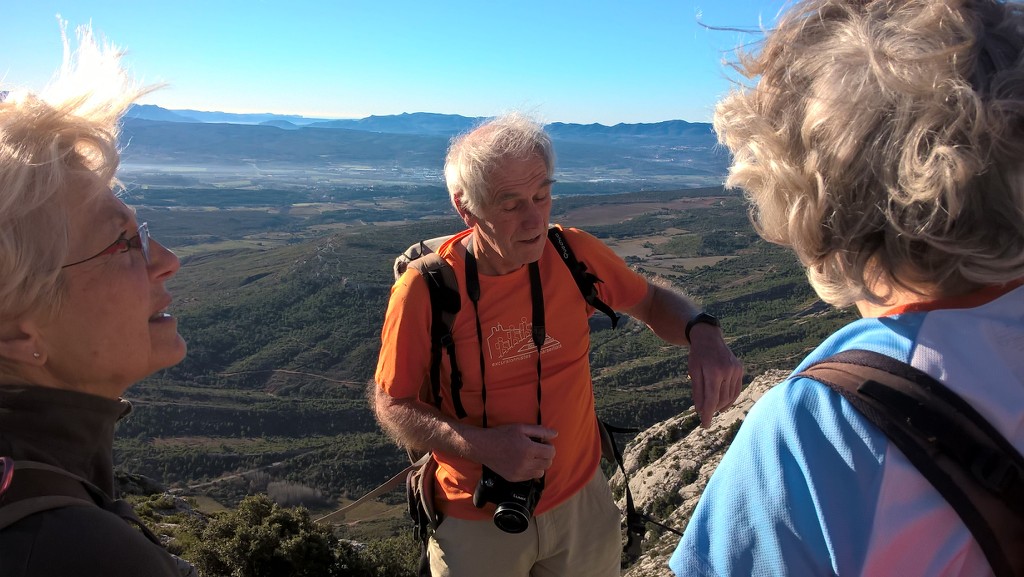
{"x": 670, "y": 463}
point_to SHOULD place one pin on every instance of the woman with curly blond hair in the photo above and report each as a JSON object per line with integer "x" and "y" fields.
{"x": 883, "y": 142}
{"x": 83, "y": 316}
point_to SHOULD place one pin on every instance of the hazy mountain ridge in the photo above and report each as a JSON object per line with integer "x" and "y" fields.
{"x": 173, "y": 143}
{"x": 418, "y": 123}
{"x": 154, "y": 112}
{"x": 446, "y": 125}
{"x": 676, "y": 152}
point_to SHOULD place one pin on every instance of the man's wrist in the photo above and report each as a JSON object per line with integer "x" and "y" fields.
{"x": 698, "y": 319}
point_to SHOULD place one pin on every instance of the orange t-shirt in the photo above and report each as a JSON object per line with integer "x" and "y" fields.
{"x": 511, "y": 367}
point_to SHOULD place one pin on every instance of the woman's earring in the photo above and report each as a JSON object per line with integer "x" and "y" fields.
{"x": 36, "y": 355}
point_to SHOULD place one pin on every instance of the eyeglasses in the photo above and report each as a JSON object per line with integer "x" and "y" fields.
{"x": 139, "y": 241}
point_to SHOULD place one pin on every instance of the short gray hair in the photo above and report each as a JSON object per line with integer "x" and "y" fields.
{"x": 474, "y": 155}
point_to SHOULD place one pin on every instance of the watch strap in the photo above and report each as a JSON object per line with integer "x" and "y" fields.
{"x": 700, "y": 318}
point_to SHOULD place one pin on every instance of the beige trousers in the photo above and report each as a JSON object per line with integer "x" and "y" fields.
{"x": 579, "y": 538}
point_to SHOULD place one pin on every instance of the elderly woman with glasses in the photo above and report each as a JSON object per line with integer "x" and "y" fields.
{"x": 83, "y": 316}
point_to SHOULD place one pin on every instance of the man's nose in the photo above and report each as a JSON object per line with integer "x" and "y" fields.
{"x": 534, "y": 216}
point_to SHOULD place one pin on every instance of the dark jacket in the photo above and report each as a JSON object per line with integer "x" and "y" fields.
{"x": 72, "y": 431}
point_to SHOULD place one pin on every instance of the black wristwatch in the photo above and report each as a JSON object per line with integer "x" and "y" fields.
{"x": 700, "y": 318}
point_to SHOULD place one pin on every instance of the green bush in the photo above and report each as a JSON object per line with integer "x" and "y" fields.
{"x": 263, "y": 539}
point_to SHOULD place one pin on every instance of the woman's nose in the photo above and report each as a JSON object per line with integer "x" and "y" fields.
{"x": 162, "y": 260}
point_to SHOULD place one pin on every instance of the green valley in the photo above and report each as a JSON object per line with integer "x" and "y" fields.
{"x": 282, "y": 310}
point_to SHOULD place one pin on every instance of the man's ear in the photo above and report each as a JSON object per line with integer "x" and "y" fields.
{"x": 467, "y": 216}
{"x": 20, "y": 342}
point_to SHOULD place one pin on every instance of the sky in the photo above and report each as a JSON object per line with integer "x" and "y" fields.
{"x": 581, "y": 61}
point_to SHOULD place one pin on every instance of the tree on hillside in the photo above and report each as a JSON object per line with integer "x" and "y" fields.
{"x": 262, "y": 539}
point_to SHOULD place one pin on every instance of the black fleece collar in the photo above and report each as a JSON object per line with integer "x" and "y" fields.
{"x": 66, "y": 429}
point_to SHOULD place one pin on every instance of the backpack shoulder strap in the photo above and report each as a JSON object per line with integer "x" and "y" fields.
{"x": 33, "y": 490}
{"x": 968, "y": 462}
{"x": 35, "y": 487}
{"x": 586, "y": 281}
{"x": 445, "y": 303}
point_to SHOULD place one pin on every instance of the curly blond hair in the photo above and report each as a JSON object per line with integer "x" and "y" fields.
{"x": 883, "y": 141}
{"x": 58, "y": 148}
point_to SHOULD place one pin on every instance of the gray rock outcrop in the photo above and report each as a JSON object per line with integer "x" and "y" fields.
{"x": 669, "y": 465}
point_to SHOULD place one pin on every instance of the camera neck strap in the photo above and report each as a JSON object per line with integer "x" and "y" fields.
{"x": 538, "y": 331}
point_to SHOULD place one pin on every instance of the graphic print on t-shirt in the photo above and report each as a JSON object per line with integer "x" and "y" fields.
{"x": 515, "y": 343}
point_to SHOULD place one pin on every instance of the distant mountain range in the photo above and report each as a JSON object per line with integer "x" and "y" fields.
{"x": 412, "y": 141}
{"x": 153, "y": 112}
{"x": 421, "y": 123}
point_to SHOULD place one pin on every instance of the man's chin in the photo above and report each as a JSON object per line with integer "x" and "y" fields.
{"x": 535, "y": 253}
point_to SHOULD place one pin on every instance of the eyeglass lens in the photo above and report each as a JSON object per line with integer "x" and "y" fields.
{"x": 144, "y": 240}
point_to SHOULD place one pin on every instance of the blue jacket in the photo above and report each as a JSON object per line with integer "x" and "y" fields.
{"x": 809, "y": 487}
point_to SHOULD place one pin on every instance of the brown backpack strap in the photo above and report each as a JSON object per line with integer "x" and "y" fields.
{"x": 445, "y": 302}
{"x": 968, "y": 462}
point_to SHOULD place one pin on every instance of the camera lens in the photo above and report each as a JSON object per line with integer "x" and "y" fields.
{"x": 512, "y": 517}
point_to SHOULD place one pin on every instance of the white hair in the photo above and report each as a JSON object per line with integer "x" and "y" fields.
{"x": 58, "y": 148}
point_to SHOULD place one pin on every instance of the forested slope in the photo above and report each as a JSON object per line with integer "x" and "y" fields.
{"x": 283, "y": 341}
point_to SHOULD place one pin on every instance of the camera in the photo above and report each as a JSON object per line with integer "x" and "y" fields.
{"x": 515, "y": 501}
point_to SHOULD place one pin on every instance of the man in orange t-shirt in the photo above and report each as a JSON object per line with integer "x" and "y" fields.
{"x": 525, "y": 418}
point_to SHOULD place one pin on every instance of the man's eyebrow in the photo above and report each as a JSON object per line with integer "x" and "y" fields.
{"x": 513, "y": 192}
{"x": 502, "y": 196}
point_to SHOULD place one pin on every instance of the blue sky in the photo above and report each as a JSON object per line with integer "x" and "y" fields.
{"x": 606, "y": 61}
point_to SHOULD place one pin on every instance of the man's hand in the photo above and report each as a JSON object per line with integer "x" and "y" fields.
{"x": 715, "y": 373}
{"x": 516, "y": 452}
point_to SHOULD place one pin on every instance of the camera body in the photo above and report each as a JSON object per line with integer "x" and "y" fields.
{"x": 516, "y": 501}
